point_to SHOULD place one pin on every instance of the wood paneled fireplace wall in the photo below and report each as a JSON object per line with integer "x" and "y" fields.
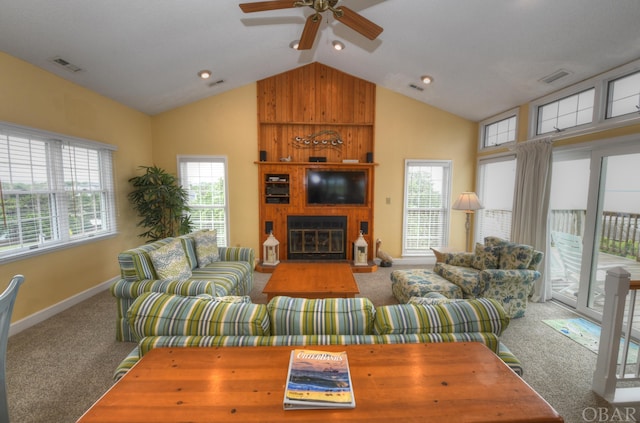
{"x": 315, "y": 118}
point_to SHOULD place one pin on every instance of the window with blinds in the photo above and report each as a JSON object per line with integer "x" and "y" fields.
{"x": 496, "y": 183}
{"x": 54, "y": 190}
{"x": 205, "y": 179}
{"x": 426, "y": 206}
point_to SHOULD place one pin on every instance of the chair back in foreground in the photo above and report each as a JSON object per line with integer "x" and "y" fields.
{"x": 7, "y": 299}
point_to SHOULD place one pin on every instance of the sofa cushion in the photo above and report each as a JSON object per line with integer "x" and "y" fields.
{"x": 467, "y": 278}
{"x": 479, "y": 315}
{"x": 486, "y": 257}
{"x": 170, "y": 262}
{"x": 329, "y": 316}
{"x": 206, "y": 243}
{"x": 512, "y": 255}
{"x": 163, "y": 314}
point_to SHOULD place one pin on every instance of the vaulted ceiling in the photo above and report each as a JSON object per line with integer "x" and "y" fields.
{"x": 486, "y": 56}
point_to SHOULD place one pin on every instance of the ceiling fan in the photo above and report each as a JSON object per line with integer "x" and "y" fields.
{"x": 343, "y": 14}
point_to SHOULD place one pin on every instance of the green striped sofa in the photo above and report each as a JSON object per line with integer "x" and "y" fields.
{"x": 159, "y": 320}
{"x": 230, "y": 274}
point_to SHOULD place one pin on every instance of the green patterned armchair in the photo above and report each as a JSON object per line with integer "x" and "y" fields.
{"x": 499, "y": 269}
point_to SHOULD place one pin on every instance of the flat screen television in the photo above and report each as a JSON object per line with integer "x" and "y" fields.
{"x": 347, "y": 187}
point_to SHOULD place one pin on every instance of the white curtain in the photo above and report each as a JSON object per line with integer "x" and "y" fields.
{"x": 531, "y": 203}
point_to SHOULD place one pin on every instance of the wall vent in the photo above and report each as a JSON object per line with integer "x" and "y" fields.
{"x": 559, "y": 74}
{"x": 213, "y": 84}
{"x": 66, "y": 64}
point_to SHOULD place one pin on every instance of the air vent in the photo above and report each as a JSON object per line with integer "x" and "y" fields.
{"x": 66, "y": 64}
{"x": 213, "y": 84}
{"x": 415, "y": 87}
{"x": 559, "y": 74}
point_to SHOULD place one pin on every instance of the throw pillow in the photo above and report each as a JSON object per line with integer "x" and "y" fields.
{"x": 170, "y": 262}
{"x": 206, "y": 242}
{"x": 515, "y": 256}
{"x": 440, "y": 256}
{"x": 485, "y": 257}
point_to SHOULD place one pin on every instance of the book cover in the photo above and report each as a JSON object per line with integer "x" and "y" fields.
{"x": 318, "y": 379}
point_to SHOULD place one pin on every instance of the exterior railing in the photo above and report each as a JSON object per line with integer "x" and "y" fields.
{"x": 614, "y": 379}
{"x": 619, "y": 235}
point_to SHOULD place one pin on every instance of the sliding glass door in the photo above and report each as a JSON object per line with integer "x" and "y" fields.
{"x": 594, "y": 218}
{"x": 614, "y": 224}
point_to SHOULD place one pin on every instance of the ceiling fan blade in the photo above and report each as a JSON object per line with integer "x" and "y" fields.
{"x": 309, "y": 32}
{"x": 261, "y": 6}
{"x": 359, "y": 23}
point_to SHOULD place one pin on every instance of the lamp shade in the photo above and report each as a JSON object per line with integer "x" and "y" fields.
{"x": 467, "y": 201}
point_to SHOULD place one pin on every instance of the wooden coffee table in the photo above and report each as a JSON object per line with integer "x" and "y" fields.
{"x": 436, "y": 382}
{"x": 312, "y": 280}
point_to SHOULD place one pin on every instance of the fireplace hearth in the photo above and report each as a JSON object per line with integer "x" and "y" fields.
{"x": 316, "y": 237}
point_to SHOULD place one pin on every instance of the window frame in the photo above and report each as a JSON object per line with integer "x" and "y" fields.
{"x": 515, "y": 112}
{"x": 447, "y": 166}
{"x": 223, "y": 239}
{"x": 58, "y": 175}
{"x": 599, "y": 121}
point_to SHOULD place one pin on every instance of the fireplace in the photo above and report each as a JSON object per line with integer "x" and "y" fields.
{"x": 316, "y": 237}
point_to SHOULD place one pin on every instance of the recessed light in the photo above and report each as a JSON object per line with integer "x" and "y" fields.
{"x": 294, "y": 44}
{"x": 338, "y": 45}
{"x": 426, "y": 79}
{"x": 204, "y": 74}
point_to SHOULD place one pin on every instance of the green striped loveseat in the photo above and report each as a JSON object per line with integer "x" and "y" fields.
{"x": 230, "y": 273}
{"x": 160, "y": 320}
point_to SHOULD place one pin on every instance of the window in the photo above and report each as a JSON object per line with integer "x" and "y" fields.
{"x": 566, "y": 112}
{"x": 496, "y": 182}
{"x": 623, "y": 96}
{"x": 54, "y": 190}
{"x": 426, "y": 206}
{"x": 499, "y": 130}
{"x": 205, "y": 179}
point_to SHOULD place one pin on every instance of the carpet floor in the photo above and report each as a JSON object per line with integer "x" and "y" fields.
{"x": 58, "y": 368}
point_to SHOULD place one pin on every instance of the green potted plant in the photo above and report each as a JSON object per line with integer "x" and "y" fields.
{"x": 161, "y": 203}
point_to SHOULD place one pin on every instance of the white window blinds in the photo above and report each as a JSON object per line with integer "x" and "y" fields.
{"x": 426, "y": 206}
{"x": 53, "y": 190}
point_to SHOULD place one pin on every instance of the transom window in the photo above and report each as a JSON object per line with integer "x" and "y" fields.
{"x": 54, "y": 190}
{"x": 500, "y": 132}
{"x": 205, "y": 179}
{"x": 567, "y": 112}
{"x": 426, "y": 206}
{"x": 624, "y": 96}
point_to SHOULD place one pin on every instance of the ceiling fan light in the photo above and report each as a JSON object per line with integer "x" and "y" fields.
{"x": 204, "y": 74}
{"x": 294, "y": 44}
{"x": 337, "y": 45}
{"x": 426, "y": 79}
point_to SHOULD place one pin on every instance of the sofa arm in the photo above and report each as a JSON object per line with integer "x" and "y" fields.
{"x": 127, "y": 289}
{"x": 237, "y": 254}
{"x": 495, "y": 278}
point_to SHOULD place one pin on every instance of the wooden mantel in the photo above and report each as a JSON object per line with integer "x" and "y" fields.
{"x": 307, "y": 114}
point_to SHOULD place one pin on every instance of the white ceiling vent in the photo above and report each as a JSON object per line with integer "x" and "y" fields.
{"x": 66, "y": 64}
{"x": 555, "y": 76}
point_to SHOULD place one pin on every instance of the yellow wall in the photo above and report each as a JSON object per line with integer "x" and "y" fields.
{"x": 409, "y": 129}
{"x": 223, "y": 125}
{"x": 38, "y": 99}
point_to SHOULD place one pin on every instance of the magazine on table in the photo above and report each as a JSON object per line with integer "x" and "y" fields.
{"x": 318, "y": 379}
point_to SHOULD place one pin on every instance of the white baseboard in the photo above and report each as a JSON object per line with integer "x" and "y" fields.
{"x": 42, "y": 315}
{"x": 422, "y": 261}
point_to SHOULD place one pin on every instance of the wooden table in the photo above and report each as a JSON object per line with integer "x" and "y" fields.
{"x": 312, "y": 280}
{"x": 437, "y": 382}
